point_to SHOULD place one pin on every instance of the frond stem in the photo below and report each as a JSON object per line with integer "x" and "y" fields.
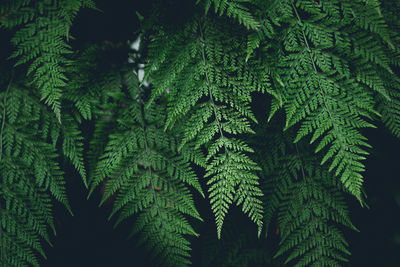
{"x": 209, "y": 85}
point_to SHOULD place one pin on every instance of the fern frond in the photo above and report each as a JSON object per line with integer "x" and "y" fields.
{"x": 306, "y": 234}
{"x": 41, "y": 43}
{"x": 367, "y": 15}
{"x": 330, "y": 95}
{"x": 389, "y": 107}
{"x": 73, "y": 145}
{"x": 306, "y": 199}
{"x": 142, "y": 167}
{"x": 390, "y": 110}
{"x": 28, "y": 171}
{"x": 209, "y": 89}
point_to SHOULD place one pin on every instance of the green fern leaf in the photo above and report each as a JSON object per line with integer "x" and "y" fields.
{"x": 321, "y": 92}
{"x": 141, "y": 165}
{"x": 29, "y": 172}
{"x": 40, "y": 42}
{"x": 204, "y": 69}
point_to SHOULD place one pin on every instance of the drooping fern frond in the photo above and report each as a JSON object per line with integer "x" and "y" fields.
{"x": 81, "y": 97}
{"x": 390, "y": 109}
{"x": 203, "y": 68}
{"x": 306, "y": 199}
{"x": 331, "y": 65}
{"x": 86, "y": 90}
{"x": 40, "y": 41}
{"x": 307, "y": 236}
{"x": 140, "y": 164}
{"x": 29, "y": 171}
{"x": 72, "y": 144}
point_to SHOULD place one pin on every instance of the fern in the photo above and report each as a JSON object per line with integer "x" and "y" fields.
{"x": 31, "y": 142}
{"x": 210, "y": 90}
{"x": 29, "y": 171}
{"x": 390, "y": 108}
{"x": 143, "y": 168}
{"x": 41, "y": 42}
{"x": 305, "y": 198}
{"x": 328, "y": 70}
{"x": 325, "y": 69}
{"x": 303, "y": 220}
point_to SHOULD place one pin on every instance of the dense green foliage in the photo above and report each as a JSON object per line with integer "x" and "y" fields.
{"x": 324, "y": 69}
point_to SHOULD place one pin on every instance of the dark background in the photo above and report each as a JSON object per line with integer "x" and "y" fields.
{"x": 87, "y": 239}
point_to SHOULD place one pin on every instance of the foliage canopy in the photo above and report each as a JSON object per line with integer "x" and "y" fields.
{"x": 325, "y": 70}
